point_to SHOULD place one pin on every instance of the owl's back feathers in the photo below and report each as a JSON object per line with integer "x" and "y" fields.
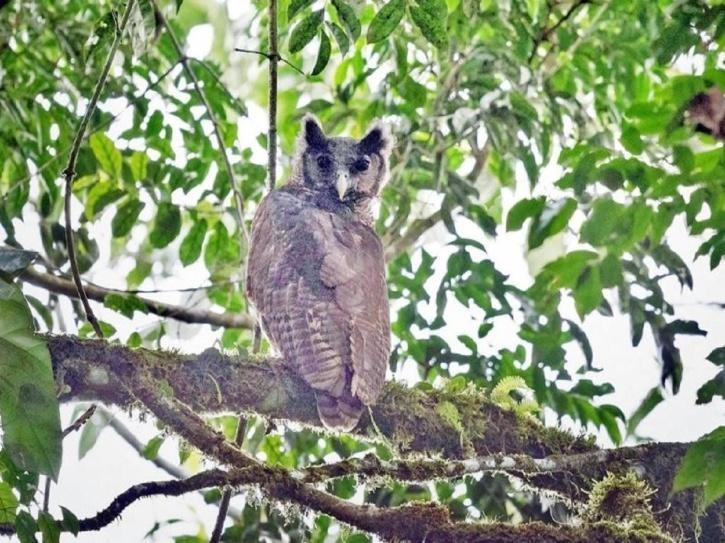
{"x": 317, "y": 278}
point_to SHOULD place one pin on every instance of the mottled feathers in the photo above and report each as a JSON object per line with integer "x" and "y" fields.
{"x": 316, "y": 271}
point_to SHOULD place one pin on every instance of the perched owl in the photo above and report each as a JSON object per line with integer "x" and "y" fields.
{"x": 316, "y": 272}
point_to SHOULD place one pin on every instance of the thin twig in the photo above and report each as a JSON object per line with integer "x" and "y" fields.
{"x": 268, "y": 56}
{"x": 61, "y": 285}
{"x": 70, "y": 172}
{"x": 546, "y": 32}
{"x": 238, "y": 198}
{"x": 273, "y": 58}
{"x": 80, "y": 421}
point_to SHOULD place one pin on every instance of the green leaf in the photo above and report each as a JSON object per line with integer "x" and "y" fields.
{"x": 713, "y": 387}
{"x": 430, "y": 16}
{"x": 704, "y": 464}
{"x": 28, "y": 404}
{"x": 717, "y": 356}
{"x": 25, "y": 527}
{"x": 603, "y": 219}
{"x": 522, "y": 210}
{"x": 8, "y": 503}
{"x": 102, "y": 194}
{"x": 166, "y": 226}
{"x": 343, "y": 42}
{"x": 323, "y": 53}
{"x": 652, "y": 400}
{"x": 126, "y": 304}
{"x": 588, "y": 291}
{"x": 552, "y": 220}
{"x": 348, "y": 18}
{"x": 89, "y": 434}
{"x": 48, "y": 527}
{"x": 295, "y": 6}
{"x": 581, "y": 338}
{"x": 631, "y": 140}
{"x": 305, "y": 30}
{"x": 415, "y": 93}
{"x": 106, "y": 154}
{"x": 190, "y": 248}
{"x": 151, "y": 450}
{"x": 126, "y": 217}
{"x": 138, "y": 163}
{"x": 70, "y": 521}
{"x": 14, "y": 260}
{"x": 386, "y": 20}
{"x": 684, "y": 327}
{"x": 142, "y": 26}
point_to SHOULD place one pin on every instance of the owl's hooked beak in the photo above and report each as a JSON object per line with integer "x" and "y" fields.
{"x": 342, "y": 184}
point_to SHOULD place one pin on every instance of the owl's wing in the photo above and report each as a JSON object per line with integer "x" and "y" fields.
{"x": 298, "y": 312}
{"x": 354, "y": 266}
{"x": 319, "y": 285}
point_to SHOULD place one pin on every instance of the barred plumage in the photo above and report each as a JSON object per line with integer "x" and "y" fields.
{"x": 316, "y": 271}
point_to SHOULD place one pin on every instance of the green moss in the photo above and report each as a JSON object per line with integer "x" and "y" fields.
{"x": 621, "y": 503}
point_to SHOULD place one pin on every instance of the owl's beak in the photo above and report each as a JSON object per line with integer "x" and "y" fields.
{"x": 342, "y": 184}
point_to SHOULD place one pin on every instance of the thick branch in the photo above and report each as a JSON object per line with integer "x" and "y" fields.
{"x": 410, "y": 418}
{"x": 61, "y": 285}
{"x": 415, "y": 522}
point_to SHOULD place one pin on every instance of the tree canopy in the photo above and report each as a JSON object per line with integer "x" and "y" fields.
{"x": 138, "y": 138}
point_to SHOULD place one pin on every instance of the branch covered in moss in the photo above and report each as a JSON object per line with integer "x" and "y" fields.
{"x": 456, "y": 425}
{"x": 463, "y": 425}
{"x": 414, "y": 522}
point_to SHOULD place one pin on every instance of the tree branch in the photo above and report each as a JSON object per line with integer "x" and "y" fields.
{"x": 414, "y": 522}
{"x": 546, "y": 32}
{"x": 70, "y": 170}
{"x": 210, "y": 382}
{"x": 412, "y": 420}
{"x": 61, "y": 285}
{"x": 238, "y": 199}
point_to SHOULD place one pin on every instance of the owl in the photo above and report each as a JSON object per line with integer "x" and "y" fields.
{"x": 316, "y": 271}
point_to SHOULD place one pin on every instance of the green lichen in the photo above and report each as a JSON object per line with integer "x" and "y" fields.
{"x": 501, "y": 396}
{"x": 449, "y": 413}
{"x": 621, "y": 503}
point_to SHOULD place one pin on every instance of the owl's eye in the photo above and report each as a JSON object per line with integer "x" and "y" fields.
{"x": 361, "y": 164}
{"x": 324, "y": 162}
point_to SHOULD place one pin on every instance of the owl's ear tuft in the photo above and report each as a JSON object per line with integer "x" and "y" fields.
{"x": 377, "y": 140}
{"x": 313, "y": 134}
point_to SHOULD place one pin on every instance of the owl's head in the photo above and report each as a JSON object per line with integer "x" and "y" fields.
{"x": 343, "y": 170}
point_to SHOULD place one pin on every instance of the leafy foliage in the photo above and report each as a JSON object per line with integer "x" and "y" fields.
{"x": 513, "y": 118}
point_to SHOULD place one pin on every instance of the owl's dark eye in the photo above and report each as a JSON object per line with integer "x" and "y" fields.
{"x": 361, "y": 164}
{"x": 324, "y": 162}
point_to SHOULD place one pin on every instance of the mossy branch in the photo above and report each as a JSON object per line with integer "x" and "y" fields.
{"x": 492, "y": 437}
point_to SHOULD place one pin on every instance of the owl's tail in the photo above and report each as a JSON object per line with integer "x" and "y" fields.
{"x": 340, "y": 414}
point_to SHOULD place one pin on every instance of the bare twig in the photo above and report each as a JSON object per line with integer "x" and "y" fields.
{"x": 80, "y": 421}
{"x": 268, "y": 56}
{"x": 61, "y": 285}
{"x": 238, "y": 198}
{"x": 546, "y": 32}
{"x": 69, "y": 173}
{"x": 273, "y": 58}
